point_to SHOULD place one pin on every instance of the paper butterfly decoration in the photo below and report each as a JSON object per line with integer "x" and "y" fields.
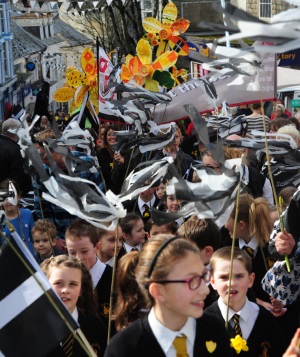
{"x": 79, "y": 83}
{"x": 143, "y": 70}
{"x": 165, "y": 34}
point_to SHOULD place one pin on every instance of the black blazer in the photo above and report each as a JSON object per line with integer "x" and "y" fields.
{"x": 132, "y": 206}
{"x": 266, "y": 333}
{"x": 95, "y": 332}
{"x": 138, "y": 340}
{"x": 103, "y": 292}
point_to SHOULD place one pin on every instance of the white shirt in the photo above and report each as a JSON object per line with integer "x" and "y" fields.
{"x": 165, "y": 336}
{"x": 97, "y": 271}
{"x": 110, "y": 262}
{"x": 141, "y": 203}
{"x": 248, "y": 316}
{"x": 128, "y": 247}
{"x": 252, "y": 244}
{"x": 75, "y": 314}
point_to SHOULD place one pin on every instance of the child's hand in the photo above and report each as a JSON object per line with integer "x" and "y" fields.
{"x": 293, "y": 349}
{"x": 284, "y": 243}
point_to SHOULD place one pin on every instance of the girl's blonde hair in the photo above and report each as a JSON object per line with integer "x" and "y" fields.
{"x": 256, "y": 213}
{"x": 174, "y": 251}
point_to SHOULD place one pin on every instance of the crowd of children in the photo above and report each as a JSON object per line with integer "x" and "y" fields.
{"x": 180, "y": 288}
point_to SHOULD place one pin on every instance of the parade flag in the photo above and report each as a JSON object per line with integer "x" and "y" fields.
{"x": 29, "y": 323}
{"x": 105, "y": 69}
{"x": 206, "y": 95}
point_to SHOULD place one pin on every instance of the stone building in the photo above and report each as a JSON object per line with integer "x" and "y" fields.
{"x": 35, "y": 41}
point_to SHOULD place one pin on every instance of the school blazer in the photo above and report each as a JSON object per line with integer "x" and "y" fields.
{"x": 266, "y": 337}
{"x": 138, "y": 340}
{"x": 95, "y": 332}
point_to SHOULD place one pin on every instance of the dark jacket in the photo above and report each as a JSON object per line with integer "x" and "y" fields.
{"x": 95, "y": 332}
{"x": 266, "y": 333}
{"x": 138, "y": 340}
{"x": 11, "y": 163}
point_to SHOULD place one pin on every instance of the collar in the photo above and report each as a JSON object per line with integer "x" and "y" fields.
{"x": 129, "y": 247}
{"x": 75, "y": 314}
{"x": 252, "y": 244}
{"x": 110, "y": 262}
{"x": 96, "y": 272}
{"x": 166, "y": 336}
{"x": 245, "y": 313}
{"x": 149, "y": 203}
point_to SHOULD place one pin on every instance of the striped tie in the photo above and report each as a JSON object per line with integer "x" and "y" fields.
{"x": 249, "y": 251}
{"x": 180, "y": 346}
{"x": 67, "y": 345}
{"x": 237, "y": 327}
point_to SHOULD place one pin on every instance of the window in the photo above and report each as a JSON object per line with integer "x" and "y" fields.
{"x": 265, "y": 9}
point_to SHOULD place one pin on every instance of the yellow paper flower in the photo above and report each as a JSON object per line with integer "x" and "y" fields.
{"x": 239, "y": 344}
{"x": 210, "y": 346}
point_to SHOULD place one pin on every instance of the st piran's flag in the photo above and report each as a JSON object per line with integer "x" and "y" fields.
{"x": 29, "y": 324}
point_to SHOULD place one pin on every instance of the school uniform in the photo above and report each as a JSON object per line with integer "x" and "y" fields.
{"x": 137, "y": 206}
{"x": 259, "y": 328}
{"x": 138, "y": 339}
{"x": 101, "y": 276}
{"x": 127, "y": 248}
{"x": 95, "y": 332}
{"x": 261, "y": 263}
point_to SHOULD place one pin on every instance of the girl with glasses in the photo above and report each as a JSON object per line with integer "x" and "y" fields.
{"x": 172, "y": 279}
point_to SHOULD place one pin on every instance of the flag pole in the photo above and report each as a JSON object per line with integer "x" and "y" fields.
{"x": 85, "y": 346}
{"x": 112, "y": 285}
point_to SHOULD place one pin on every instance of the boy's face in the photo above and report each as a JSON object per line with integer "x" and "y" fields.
{"x": 42, "y": 244}
{"x": 107, "y": 244}
{"x": 241, "y": 281}
{"x": 82, "y": 248}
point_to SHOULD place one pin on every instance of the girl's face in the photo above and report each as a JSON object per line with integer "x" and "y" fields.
{"x": 155, "y": 230}
{"x": 241, "y": 229}
{"x": 101, "y": 136}
{"x": 172, "y": 204}
{"x": 111, "y": 137}
{"x": 160, "y": 191}
{"x": 174, "y": 145}
{"x": 137, "y": 235}
{"x": 107, "y": 245}
{"x": 67, "y": 283}
{"x": 176, "y": 302}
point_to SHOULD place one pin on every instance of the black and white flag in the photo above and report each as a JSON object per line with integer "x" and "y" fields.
{"x": 29, "y": 324}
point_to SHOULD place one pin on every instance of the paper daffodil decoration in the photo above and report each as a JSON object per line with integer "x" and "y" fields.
{"x": 165, "y": 34}
{"x": 210, "y": 346}
{"x": 141, "y": 68}
{"x": 239, "y": 344}
{"x": 79, "y": 83}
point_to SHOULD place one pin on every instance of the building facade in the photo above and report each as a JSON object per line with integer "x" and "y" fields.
{"x": 7, "y": 75}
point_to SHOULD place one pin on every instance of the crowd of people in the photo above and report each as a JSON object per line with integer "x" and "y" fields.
{"x": 180, "y": 288}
